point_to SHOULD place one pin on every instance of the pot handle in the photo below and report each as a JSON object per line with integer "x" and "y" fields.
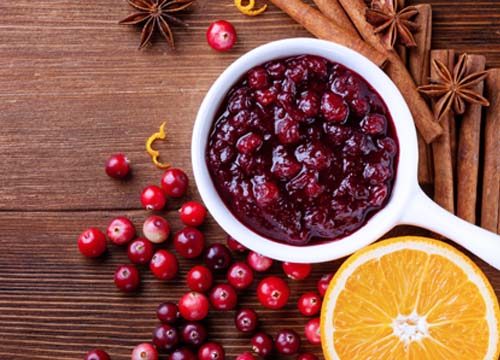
{"x": 424, "y": 212}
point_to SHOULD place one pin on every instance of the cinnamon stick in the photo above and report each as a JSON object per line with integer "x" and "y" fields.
{"x": 422, "y": 115}
{"x": 491, "y": 171}
{"x": 334, "y": 11}
{"x": 441, "y": 148}
{"x": 321, "y": 27}
{"x": 468, "y": 149}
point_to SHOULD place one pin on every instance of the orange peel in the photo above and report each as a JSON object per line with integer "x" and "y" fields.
{"x": 155, "y": 154}
{"x": 249, "y": 9}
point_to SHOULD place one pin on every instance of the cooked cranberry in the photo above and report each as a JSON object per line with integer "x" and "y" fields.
{"x": 377, "y": 173}
{"x": 240, "y": 275}
{"x": 193, "y": 334}
{"x": 246, "y": 320}
{"x": 200, "y": 278}
{"x": 156, "y": 229}
{"x": 221, "y": 35}
{"x": 312, "y": 331}
{"x": 127, "y": 278}
{"x": 234, "y": 245}
{"x": 167, "y": 313}
{"x": 287, "y": 342}
{"x": 374, "y": 124}
{"x": 189, "y": 242}
{"x": 259, "y": 262}
{"x": 309, "y": 103}
{"x": 265, "y": 191}
{"x": 217, "y": 257}
{"x": 257, "y": 78}
{"x": 273, "y": 292}
{"x": 140, "y": 251}
{"x": 359, "y": 106}
{"x": 165, "y": 337}
{"x": 333, "y": 108}
{"x": 307, "y": 356}
{"x": 309, "y": 304}
{"x": 245, "y": 356}
{"x": 297, "y": 73}
{"x": 182, "y": 354}
{"x": 92, "y": 243}
{"x": 297, "y": 271}
{"x": 248, "y": 143}
{"x": 223, "y": 297}
{"x": 174, "y": 182}
{"x": 389, "y": 145}
{"x": 164, "y": 265}
{"x": 284, "y": 164}
{"x": 378, "y": 194}
{"x": 262, "y": 344}
{"x": 287, "y": 130}
{"x": 314, "y": 155}
{"x": 266, "y": 97}
{"x": 276, "y": 69}
{"x": 121, "y": 230}
{"x": 337, "y": 134}
{"x": 211, "y": 351}
{"x": 153, "y": 198}
{"x": 193, "y": 306}
{"x": 97, "y": 354}
{"x": 144, "y": 351}
{"x": 193, "y": 213}
{"x": 118, "y": 166}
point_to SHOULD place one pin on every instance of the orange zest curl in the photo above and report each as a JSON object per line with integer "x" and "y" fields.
{"x": 249, "y": 8}
{"x": 155, "y": 154}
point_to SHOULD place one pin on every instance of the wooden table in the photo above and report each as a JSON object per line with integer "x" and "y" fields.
{"x": 73, "y": 90}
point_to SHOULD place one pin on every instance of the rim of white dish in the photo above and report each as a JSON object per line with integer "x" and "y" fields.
{"x": 406, "y": 176}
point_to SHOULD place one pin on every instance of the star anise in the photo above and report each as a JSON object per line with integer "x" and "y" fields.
{"x": 393, "y": 24}
{"x": 454, "y": 90}
{"x": 156, "y": 15}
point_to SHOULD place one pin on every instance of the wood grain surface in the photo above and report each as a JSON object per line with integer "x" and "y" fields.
{"x": 73, "y": 90}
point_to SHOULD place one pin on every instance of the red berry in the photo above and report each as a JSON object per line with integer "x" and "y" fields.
{"x": 323, "y": 283}
{"x": 165, "y": 337}
{"x": 156, "y": 229}
{"x": 200, "y": 278}
{"x": 273, "y": 292}
{"x": 312, "y": 331}
{"x": 144, "y": 351}
{"x": 182, "y": 354}
{"x": 189, "y": 242}
{"x": 307, "y": 356}
{"x": 221, "y": 35}
{"x": 140, "y": 251}
{"x": 309, "y": 304}
{"x": 262, "y": 344}
{"x": 193, "y": 213}
{"x": 211, "y": 351}
{"x": 174, "y": 182}
{"x": 193, "y": 334}
{"x": 246, "y": 320}
{"x": 234, "y": 245}
{"x": 223, "y": 297}
{"x": 287, "y": 342}
{"x": 259, "y": 262}
{"x": 217, "y": 257}
{"x": 193, "y": 306}
{"x": 167, "y": 313}
{"x": 127, "y": 278}
{"x": 121, "y": 231}
{"x": 92, "y": 243}
{"x": 97, "y": 354}
{"x": 153, "y": 198}
{"x": 240, "y": 275}
{"x": 297, "y": 271}
{"x": 245, "y": 356}
{"x": 118, "y": 166}
{"x": 164, "y": 265}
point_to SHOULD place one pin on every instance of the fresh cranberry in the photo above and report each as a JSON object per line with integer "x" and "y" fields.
{"x": 174, "y": 182}
{"x": 193, "y": 213}
{"x": 165, "y": 337}
{"x": 127, "y": 278}
{"x": 262, "y": 344}
{"x": 257, "y": 78}
{"x": 121, "y": 231}
{"x": 164, "y": 265}
{"x": 221, "y": 35}
{"x": 248, "y": 143}
{"x": 217, "y": 257}
{"x": 182, "y": 354}
{"x": 97, "y": 354}
{"x": 211, "y": 351}
{"x": 307, "y": 356}
{"x": 312, "y": 331}
{"x": 240, "y": 275}
{"x": 273, "y": 292}
{"x": 374, "y": 124}
{"x": 167, "y": 313}
{"x": 92, "y": 243}
{"x": 333, "y": 108}
{"x": 309, "y": 304}
{"x": 189, "y": 242}
{"x": 118, "y": 166}
{"x": 156, "y": 229}
{"x": 200, "y": 278}
{"x": 153, "y": 198}
{"x": 223, "y": 297}
{"x": 297, "y": 271}
{"x": 193, "y": 306}
{"x": 193, "y": 334}
{"x": 287, "y": 342}
{"x": 246, "y": 320}
{"x": 234, "y": 245}
{"x": 259, "y": 263}
{"x": 323, "y": 283}
{"x": 245, "y": 356}
{"x": 145, "y": 351}
{"x": 140, "y": 251}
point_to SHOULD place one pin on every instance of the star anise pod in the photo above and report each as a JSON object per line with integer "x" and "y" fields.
{"x": 454, "y": 90}
{"x": 393, "y": 24}
{"x": 156, "y": 15}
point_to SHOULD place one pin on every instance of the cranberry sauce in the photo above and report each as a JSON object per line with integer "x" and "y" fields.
{"x": 303, "y": 150}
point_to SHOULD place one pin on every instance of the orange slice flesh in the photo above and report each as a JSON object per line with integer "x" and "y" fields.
{"x": 410, "y": 298}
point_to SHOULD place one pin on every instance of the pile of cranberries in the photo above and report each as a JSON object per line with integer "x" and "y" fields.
{"x": 181, "y": 331}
